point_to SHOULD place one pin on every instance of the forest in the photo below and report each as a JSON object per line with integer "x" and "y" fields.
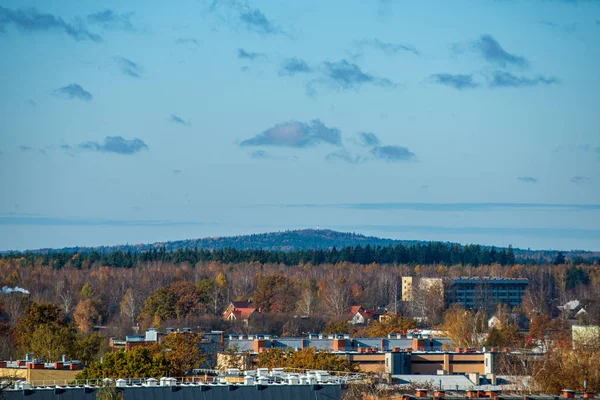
{"x": 71, "y": 303}
{"x": 418, "y": 254}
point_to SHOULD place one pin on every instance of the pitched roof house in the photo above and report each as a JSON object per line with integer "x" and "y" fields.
{"x": 240, "y": 311}
{"x": 360, "y": 315}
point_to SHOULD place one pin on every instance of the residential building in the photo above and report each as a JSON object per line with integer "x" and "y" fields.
{"x": 413, "y": 286}
{"x": 240, "y": 311}
{"x": 485, "y": 292}
{"x": 416, "y": 355}
{"x": 407, "y": 288}
{"x": 470, "y": 292}
{"x": 37, "y": 371}
{"x": 361, "y": 316}
{"x": 395, "y": 354}
{"x": 153, "y": 336}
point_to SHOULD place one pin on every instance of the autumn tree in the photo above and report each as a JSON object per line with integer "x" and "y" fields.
{"x": 546, "y": 332}
{"x": 563, "y": 367}
{"x": 183, "y": 352}
{"x": 89, "y": 313}
{"x": 44, "y": 331}
{"x": 391, "y": 323}
{"x": 304, "y": 359}
{"x": 87, "y": 291}
{"x": 275, "y": 293}
{"x": 466, "y": 328}
{"x": 51, "y": 341}
{"x": 139, "y": 362}
{"x": 88, "y": 348}
{"x": 340, "y": 326}
{"x": 177, "y": 300}
{"x": 176, "y": 355}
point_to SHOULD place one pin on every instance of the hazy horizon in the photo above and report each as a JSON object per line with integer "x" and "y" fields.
{"x": 135, "y": 122}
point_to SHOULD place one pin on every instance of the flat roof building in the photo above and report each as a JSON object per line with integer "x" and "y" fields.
{"x": 485, "y": 292}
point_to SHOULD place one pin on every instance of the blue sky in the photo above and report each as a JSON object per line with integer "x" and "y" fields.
{"x": 469, "y": 121}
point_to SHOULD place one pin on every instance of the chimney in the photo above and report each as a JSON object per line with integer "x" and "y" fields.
{"x": 339, "y": 344}
{"x": 259, "y": 344}
{"x": 418, "y": 344}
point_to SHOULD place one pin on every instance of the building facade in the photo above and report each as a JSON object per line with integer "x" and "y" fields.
{"x": 485, "y": 292}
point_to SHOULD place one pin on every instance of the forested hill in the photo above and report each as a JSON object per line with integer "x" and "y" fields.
{"x": 287, "y": 241}
{"x": 318, "y": 239}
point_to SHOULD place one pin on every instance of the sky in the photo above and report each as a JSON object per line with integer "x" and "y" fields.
{"x": 142, "y": 121}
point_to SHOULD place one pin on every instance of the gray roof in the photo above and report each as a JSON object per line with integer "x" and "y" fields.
{"x": 327, "y": 344}
{"x": 447, "y": 382}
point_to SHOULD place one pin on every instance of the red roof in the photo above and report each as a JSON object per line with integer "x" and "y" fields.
{"x": 240, "y": 313}
{"x": 241, "y": 304}
{"x": 368, "y": 314}
{"x": 355, "y": 309}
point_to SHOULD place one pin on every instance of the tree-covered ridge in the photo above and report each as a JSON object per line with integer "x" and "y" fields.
{"x": 290, "y": 240}
{"x": 418, "y": 254}
{"x": 304, "y": 245}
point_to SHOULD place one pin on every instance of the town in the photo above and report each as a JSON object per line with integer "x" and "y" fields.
{"x": 453, "y": 334}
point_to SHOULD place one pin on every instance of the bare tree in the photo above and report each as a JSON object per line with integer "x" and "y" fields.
{"x": 307, "y": 302}
{"x": 336, "y": 297}
{"x": 130, "y": 305}
{"x": 65, "y": 294}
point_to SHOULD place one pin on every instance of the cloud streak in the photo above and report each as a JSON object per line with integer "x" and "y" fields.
{"x": 293, "y": 66}
{"x": 527, "y": 179}
{"x": 178, "y": 120}
{"x": 452, "y": 207}
{"x": 392, "y": 153}
{"x": 188, "y": 40}
{"x": 296, "y": 134}
{"x": 254, "y": 20}
{"x": 30, "y": 20}
{"x": 388, "y": 48}
{"x": 456, "y": 81}
{"x": 345, "y": 156}
{"x": 129, "y": 67}
{"x": 580, "y": 179}
{"x": 56, "y": 221}
{"x": 492, "y": 52}
{"x": 248, "y": 55}
{"x": 571, "y": 28}
{"x": 109, "y": 19}
{"x": 368, "y": 139}
{"x": 73, "y": 91}
{"x": 260, "y": 154}
{"x": 116, "y": 144}
{"x": 346, "y": 75}
{"x": 507, "y": 80}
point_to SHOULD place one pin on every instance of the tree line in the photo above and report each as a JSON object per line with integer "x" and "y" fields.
{"x": 430, "y": 253}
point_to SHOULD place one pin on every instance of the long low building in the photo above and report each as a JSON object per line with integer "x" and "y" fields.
{"x": 394, "y": 356}
{"x": 337, "y": 342}
{"x": 470, "y": 292}
{"x": 249, "y": 385}
{"x": 41, "y": 372}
